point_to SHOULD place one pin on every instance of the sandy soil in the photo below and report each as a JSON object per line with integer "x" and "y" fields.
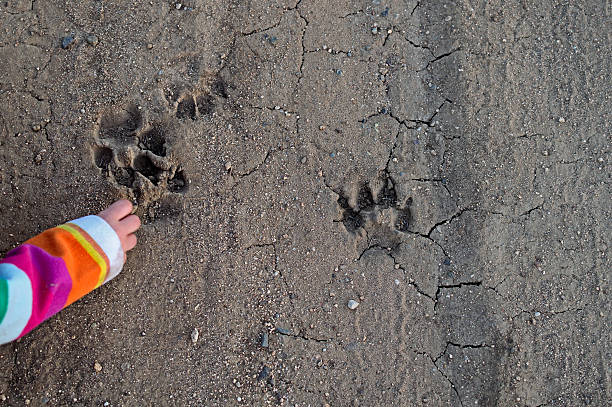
{"x": 441, "y": 163}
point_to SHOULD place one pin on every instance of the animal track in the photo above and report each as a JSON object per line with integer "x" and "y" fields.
{"x": 370, "y": 208}
{"x": 133, "y": 156}
{"x": 137, "y": 157}
{"x": 192, "y": 105}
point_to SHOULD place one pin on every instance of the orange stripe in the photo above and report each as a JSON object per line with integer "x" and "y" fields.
{"x": 96, "y": 247}
{"x": 82, "y": 268}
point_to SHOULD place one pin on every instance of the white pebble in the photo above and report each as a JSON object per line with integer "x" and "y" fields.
{"x": 352, "y": 304}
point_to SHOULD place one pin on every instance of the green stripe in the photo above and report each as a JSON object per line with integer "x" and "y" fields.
{"x": 3, "y": 298}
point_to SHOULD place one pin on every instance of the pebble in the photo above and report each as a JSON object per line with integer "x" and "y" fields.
{"x": 2, "y": 397}
{"x": 282, "y": 331}
{"x": 92, "y": 40}
{"x": 67, "y": 41}
{"x": 537, "y": 314}
{"x": 264, "y": 340}
{"x": 36, "y": 127}
{"x": 97, "y": 367}
{"x": 561, "y": 119}
{"x": 178, "y": 6}
{"x": 195, "y": 334}
{"x": 265, "y": 371}
{"x": 149, "y": 46}
{"x": 374, "y": 30}
{"x": 352, "y": 304}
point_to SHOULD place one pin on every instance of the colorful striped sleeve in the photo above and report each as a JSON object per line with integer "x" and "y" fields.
{"x": 52, "y": 270}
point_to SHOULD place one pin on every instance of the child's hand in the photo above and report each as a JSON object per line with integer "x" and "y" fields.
{"x": 118, "y": 217}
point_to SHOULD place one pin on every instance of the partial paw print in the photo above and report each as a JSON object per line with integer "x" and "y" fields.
{"x": 134, "y": 155}
{"x": 374, "y": 205}
{"x": 195, "y": 104}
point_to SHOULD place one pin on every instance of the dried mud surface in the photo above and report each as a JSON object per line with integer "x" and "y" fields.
{"x": 443, "y": 163}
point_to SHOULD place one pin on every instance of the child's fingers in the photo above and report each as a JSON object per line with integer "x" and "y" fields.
{"x": 129, "y": 242}
{"x": 129, "y": 224}
{"x": 118, "y": 210}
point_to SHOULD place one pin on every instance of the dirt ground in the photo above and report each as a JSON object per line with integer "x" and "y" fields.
{"x": 441, "y": 165}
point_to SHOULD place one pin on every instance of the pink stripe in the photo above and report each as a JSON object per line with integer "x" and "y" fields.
{"x": 51, "y": 282}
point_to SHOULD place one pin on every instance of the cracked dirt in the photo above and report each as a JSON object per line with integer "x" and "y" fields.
{"x": 443, "y": 163}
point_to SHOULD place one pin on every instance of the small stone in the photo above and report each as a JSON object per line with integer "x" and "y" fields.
{"x": 67, "y": 41}
{"x": 282, "y": 331}
{"x": 264, "y": 340}
{"x": 561, "y": 119}
{"x": 303, "y": 160}
{"x": 106, "y": 404}
{"x": 339, "y": 72}
{"x": 545, "y": 153}
{"x": 92, "y": 40}
{"x": 374, "y": 30}
{"x": 537, "y": 314}
{"x": 195, "y": 334}
{"x": 352, "y": 304}
{"x": 149, "y": 46}
{"x": 228, "y": 166}
{"x": 448, "y": 18}
{"x": 97, "y": 367}
{"x": 36, "y": 127}
{"x": 265, "y": 371}
{"x": 2, "y": 397}
{"x": 178, "y": 6}
{"x": 27, "y": 402}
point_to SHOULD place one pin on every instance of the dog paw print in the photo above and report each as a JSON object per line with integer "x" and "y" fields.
{"x": 134, "y": 156}
{"x": 191, "y": 105}
{"x": 371, "y": 209}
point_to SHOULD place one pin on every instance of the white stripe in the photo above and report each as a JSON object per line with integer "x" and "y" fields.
{"x": 106, "y": 237}
{"x": 19, "y": 307}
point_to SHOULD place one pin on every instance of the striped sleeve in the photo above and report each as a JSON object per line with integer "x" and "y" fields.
{"x": 52, "y": 270}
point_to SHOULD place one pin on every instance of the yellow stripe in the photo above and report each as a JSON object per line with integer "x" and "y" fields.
{"x": 90, "y": 250}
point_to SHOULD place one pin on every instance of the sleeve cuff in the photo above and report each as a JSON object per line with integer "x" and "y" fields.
{"x": 108, "y": 241}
